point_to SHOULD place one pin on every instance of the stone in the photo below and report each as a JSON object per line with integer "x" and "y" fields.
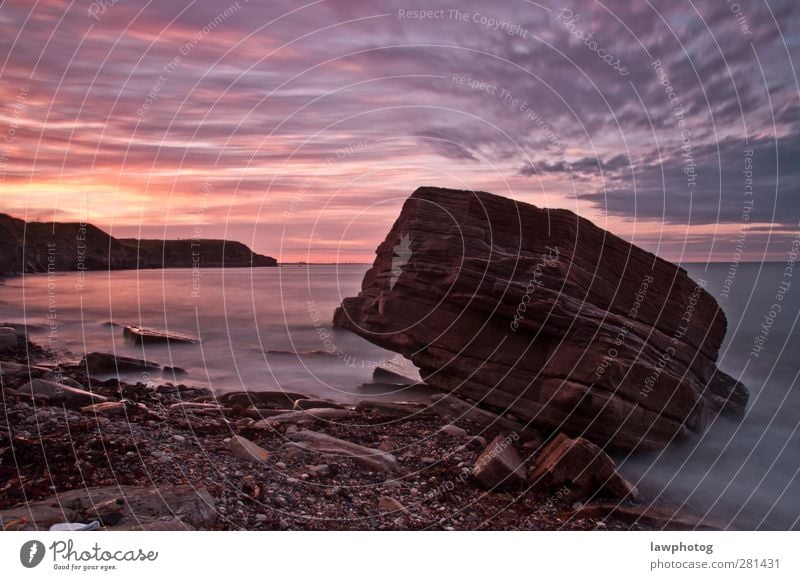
{"x": 581, "y": 466}
{"x": 396, "y": 372}
{"x": 499, "y": 466}
{"x": 103, "y": 363}
{"x": 302, "y": 404}
{"x": 307, "y": 416}
{"x": 246, "y": 450}
{"x": 122, "y": 408}
{"x": 454, "y": 431}
{"x": 134, "y": 508}
{"x": 400, "y": 409}
{"x": 56, "y": 393}
{"x": 9, "y": 339}
{"x": 334, "y": 447}
{"x": 539, "y": 312}
{"x": 267, "y": 399}
{"x": 142, "y": 335}
{"x": 178, "y": 438}
{"x": 173, "y": 372}
{"x": 389, "y": 504}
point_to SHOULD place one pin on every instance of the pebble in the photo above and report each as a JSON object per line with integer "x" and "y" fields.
{"x": 284, "y": 524}
{"x": 157, "y": 454}
{"x": 280, "y": 465}
{"x": 179, "y": 438}
{"x": 261, "y": 518}
{"x": 428, "y": 460}
{"x": 454, "y": 431}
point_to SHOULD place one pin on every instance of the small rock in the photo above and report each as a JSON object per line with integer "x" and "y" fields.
{"x": 454, "y": 431}
{"x": 428, "y": 460}
{"x": 389, "y": 504}
{"x": 499, "y": 466}
{"x": 284, "y": 524}
{"x": 246, "y": 450}
{"x": 280, "y": 465}
{"x": 261, "y": 518}
{"x": 179, "y": 438}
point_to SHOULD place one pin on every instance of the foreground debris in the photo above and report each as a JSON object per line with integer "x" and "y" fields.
{"x": 133, "y": 456}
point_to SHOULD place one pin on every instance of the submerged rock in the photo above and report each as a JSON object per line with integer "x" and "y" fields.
{"x": 142, "y": 335}
{"x": 98, "y": 363}
{"x": 541, "y": 313}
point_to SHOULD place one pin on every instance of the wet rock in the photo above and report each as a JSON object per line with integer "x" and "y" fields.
{"x": 101, "y": 363}
{"x": 300, "y": 417}
{"x": 582, "y": 467}
{"x": 499, "y": 466}
{"x": 182, "y": 507}
{"x": 142, "y": 335}
{"x": 328, "y": 445}
{"x": 9, "y": 339}
{"x": 399, "y": 409}
{"x": 540, "y": 313}
{"x": 12, "y": 370}
{"x": 56, "y": 393}
{"x": 246, "y": 450}
{"x": 302, "y": 404}
{"x": 398, "y": 372}
{"x": 124, "y": 408}
{"x": 267, "y": 399}
{"x": 173, "y": 372}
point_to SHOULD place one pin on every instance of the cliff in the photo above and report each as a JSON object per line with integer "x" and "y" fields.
{"x": 544, "y": 315}
{"x": 33, "y": 246}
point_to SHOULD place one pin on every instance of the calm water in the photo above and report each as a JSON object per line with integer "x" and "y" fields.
{"x": 743, "y": 474}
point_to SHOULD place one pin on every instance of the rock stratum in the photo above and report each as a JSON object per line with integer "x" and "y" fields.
{"x": 32, "y": 247}
{"x": 540, "y": 313}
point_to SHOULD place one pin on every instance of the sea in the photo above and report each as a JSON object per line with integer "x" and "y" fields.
{"x": 270, "y": 329}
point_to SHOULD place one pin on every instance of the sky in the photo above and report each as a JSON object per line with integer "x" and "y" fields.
{"x": 300, "y": 128}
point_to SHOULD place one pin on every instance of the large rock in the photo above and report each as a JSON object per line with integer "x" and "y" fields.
{"x": 9, "y": 339}
{"x": 274, "y": 399}
{"x": 122, "y": 507}
{"x": 582, "y": 467}
{"x": 542, "y": 313}
{"x": 57, "y": 393}
{"x": 499, "y": 466}
{"x": 100, "y": 363}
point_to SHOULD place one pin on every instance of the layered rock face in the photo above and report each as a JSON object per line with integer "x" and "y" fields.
{"x": 542, "y": 314}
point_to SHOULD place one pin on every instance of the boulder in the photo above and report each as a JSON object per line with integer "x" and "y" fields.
{"x": 102, "y": 363}
{"x": 123, "y": 507}
{"x": 328, "y": 445}
{"x": 9, "y": 339}
{"x": 541, "y": 313}
{"x": 57, "y": 393}
{"x": 267, "y": 399}
{"x": 301, "y": 404}
{"x": 246, "y": 450}
{"x": 582, "y": 467}
{"x": 499, "y": 466}
{"x": 142, "y": 335}
{"x": 12, "y": 370}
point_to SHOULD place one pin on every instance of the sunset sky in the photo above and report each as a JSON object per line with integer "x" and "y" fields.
{"x": 299, "y": 129}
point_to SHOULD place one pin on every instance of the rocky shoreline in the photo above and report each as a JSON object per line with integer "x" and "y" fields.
{"x": 132, "y": 456}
